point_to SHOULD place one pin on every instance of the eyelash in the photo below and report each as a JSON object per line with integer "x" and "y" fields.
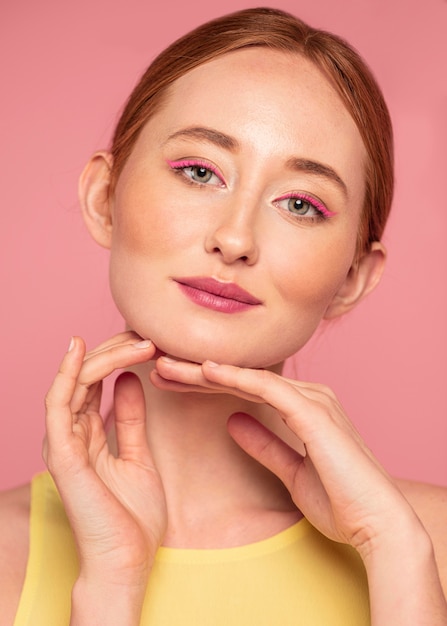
{"x": 179, "y": 167}
{"x": 322, "y": 212}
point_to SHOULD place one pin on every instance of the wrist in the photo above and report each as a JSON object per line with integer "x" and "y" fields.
{"x": 403, "y": 579}
{"x": 401, "y": 534}
{"x": 96, "y": 601}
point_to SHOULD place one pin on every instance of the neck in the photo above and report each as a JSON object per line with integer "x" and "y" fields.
{"x": 207, "y": 478}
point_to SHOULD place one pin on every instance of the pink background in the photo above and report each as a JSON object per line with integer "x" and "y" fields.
{"x": 67, "y": 68}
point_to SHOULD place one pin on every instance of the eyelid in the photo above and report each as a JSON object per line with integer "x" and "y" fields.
{"x": 193, "y": 162}
{"x": 315, "y": 202}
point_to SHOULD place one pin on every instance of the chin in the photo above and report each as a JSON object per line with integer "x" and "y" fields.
{"x": 200, "y": 351}
{"x": 222, "y": 352}
{"x": 198, "y": 344}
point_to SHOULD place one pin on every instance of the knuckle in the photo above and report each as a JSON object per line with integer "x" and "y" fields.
{"x": 260, "y": 383}
{"x": 327, "y": 393}
{"x": 52, "y": 402}
{"x": 49, "y": 401}
{"x": 324, "y": 389}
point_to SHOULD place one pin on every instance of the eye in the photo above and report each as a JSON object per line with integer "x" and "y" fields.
{"x": 197, "y": 172}
{"x": 303, "y": 205}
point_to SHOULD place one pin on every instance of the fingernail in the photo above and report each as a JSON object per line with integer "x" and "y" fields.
{"x": 140, "y": 345}
{"x": 71, "y": 346}
{"x": 212, "y": 364}
{"x": 167, "y": 359}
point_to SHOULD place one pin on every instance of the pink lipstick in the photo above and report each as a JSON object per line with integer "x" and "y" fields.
{"x": 213, "y": 294}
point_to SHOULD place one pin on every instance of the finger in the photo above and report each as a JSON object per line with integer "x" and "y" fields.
{"x": 93, "y": 399}
{"x": 320, "y": 423}
{"x": 184, "y": 387}
{"x": 296, "y": 471}
{"x": 313, "y": 417}
{"x": 266, "y": 448}
{"x": 267, "y": 386}
{"x": 181, "y": 371}
{"x": 171, "y": 385}
{"x": 181, "y": 376}
{"x": 175, "y": 375}
{"x": 256, "y": 378}
{"x": 128, "y": 336}
{"x": 102, "y": 364}
{"x": 57, "y": 402}
{"x": 130, "y": 419}
{"x": 195, "y": 375}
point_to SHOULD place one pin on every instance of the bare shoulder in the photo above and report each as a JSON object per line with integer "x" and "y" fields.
{"x": 430, "y": 504}
{"x": 14, "y": 540}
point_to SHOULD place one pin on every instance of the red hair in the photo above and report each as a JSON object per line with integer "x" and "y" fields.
{"x": 281, "y": 31}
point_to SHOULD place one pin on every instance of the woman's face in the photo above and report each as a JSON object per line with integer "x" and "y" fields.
{"x": 235, "y": 218}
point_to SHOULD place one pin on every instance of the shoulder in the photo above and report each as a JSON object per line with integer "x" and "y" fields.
{"x": 14, "y": 532}
{"x": 430, "y": 504}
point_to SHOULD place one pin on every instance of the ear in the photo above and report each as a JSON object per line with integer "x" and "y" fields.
{"x": 362, "y": 278}
{"x": 94, "y": 197}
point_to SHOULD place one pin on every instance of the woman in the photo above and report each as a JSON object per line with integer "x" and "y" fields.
{"x": 243, "y": 201}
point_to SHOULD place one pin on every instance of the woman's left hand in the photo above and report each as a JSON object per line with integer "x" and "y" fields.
{"x": 338, "y": 484}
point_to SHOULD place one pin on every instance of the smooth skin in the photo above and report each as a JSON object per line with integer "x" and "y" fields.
{"x": 161, "y": 224}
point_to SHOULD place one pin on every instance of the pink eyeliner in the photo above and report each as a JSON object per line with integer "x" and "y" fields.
{"x": 176, "y": 165}
{"x": 311, "y": 200}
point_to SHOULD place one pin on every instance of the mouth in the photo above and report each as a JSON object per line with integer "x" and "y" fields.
{"x": 216, "y": 295}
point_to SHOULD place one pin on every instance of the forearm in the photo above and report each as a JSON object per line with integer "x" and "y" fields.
{"x": 404, "y": 582}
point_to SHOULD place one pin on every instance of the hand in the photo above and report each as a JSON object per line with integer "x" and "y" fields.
{"x": 338, "y": 484}
{"x": 116, "y": 505}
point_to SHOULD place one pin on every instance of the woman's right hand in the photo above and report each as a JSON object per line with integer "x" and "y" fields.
{"x": 115, "y": 504}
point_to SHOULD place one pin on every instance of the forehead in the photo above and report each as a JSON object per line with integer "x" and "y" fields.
{"x": 274, "y": 103}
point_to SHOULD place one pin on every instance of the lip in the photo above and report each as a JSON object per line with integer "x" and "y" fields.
{"x": 214, "y": 294}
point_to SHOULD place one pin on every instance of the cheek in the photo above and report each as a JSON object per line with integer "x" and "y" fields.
{"x": 149, "y": 222}
{"x": 138, "y": 229}
{"x": 309, "y": 274}
{"x": 149, "y": 238}
{"x": 139, "y": 235}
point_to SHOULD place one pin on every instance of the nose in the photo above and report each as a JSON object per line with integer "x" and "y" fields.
{"x": 233, "y": 236}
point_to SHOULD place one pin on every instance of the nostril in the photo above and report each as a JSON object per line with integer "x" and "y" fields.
{"x": 232, "y": 245}
{"x": 241, "y": 258}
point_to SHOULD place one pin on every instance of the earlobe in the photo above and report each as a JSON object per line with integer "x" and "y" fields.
{"x": 94, "y": 197}
{"x": 362, "y": 278}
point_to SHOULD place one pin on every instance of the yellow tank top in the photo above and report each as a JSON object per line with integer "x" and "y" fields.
{"x": 297, "y": 577}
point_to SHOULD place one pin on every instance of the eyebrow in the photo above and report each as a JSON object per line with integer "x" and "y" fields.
{"x": 314, "y": 167}
{"x": 230, "y": 143}
{"x": 209, "y": 134}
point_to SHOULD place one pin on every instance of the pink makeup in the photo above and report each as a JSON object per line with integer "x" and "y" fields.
{"x": 218, "y": 296}
{"x": 195, "y": 163}
{"x": 317, "y": 205}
